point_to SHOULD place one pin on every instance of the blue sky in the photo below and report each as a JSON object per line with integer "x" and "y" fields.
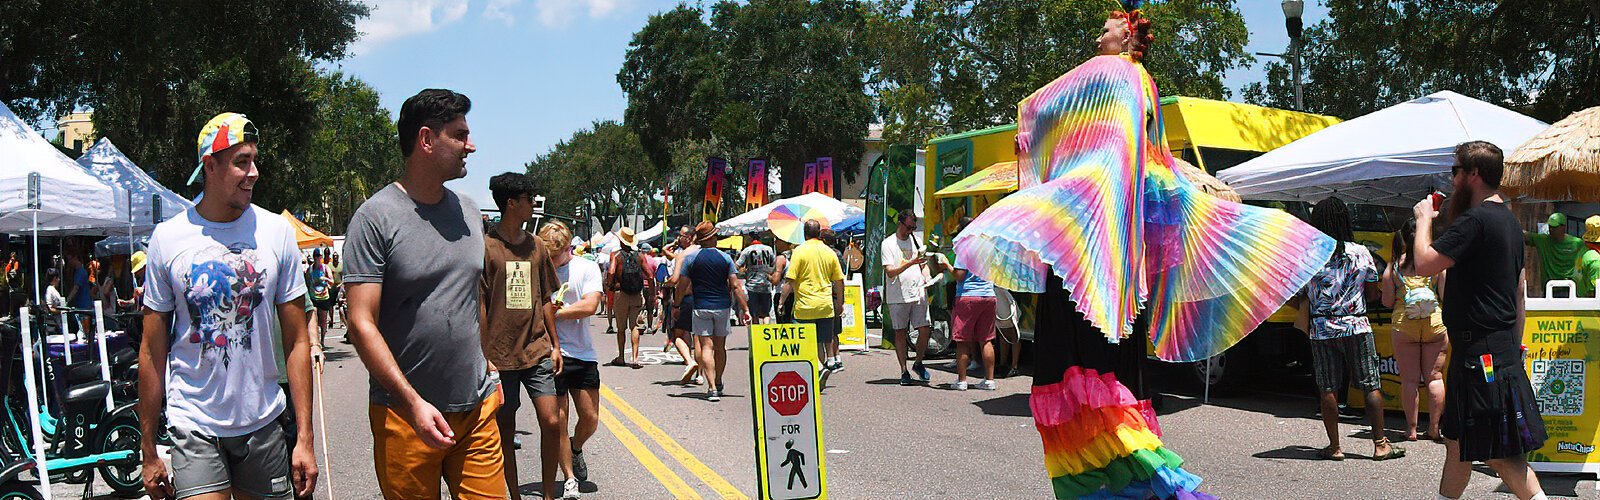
{"x": 538, "y": 70}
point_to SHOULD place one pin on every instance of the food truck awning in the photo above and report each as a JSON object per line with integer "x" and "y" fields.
{"x": 1192, "y": 122}
{"x": 997, "y": 178}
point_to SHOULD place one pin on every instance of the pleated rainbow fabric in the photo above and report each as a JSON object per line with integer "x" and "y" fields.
{"x": 1100, "y": 205}
{"x": 1098, "y": 444}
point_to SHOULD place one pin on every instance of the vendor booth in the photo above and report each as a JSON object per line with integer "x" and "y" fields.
{"x": 149, "y": 202}
{"x": 755, "y": 221}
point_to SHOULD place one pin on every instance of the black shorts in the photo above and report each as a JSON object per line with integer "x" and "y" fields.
{"x": 760, "y": 304}
{"x": 539, "y": 381}
{"x": 323, "y": 305}
{"x": 684, "y": 319}
{"x": 577, "y": 374}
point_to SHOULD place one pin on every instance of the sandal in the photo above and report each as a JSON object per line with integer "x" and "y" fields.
{"x": 1395, "y": 451}
{"x": 1330, "y": 453}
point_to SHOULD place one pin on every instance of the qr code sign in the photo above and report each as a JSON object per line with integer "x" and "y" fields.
{"x": 1558, "y": 384}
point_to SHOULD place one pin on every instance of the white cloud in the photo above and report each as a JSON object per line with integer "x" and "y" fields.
{"x": 393, "y": 19}
{"x": 500, "y": 10}
{"x": 557, "y": 13}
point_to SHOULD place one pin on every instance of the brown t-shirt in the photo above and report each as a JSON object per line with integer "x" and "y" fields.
{"x": 517, "y": 283}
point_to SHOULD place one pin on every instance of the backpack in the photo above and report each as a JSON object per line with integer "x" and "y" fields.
{"x": 630, "y": 279}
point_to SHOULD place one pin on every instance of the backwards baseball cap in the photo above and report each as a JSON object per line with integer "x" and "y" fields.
{"x": 1557, "y": 219}
{"x": 222, "y": 132}
{"x": 1591, "y": 229}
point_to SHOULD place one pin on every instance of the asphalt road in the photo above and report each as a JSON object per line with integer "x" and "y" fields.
{"x": 659, "y": 439}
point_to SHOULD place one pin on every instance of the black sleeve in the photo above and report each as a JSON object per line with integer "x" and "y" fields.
{"x": 1456, "y": 242}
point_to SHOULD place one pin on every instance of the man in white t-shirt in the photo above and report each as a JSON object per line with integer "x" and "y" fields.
{"x": 223, "y": 274}
{"x": 905, "y": 295}
{"x": 578, "y": 299}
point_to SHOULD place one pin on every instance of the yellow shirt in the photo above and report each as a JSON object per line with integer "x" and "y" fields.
{"x": 812, "y": 271}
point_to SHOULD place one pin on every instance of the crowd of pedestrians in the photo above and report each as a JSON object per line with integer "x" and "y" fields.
{"x": 454, "y": 322}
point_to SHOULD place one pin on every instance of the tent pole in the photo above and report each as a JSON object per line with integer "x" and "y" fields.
{"x": 38, "y": 293}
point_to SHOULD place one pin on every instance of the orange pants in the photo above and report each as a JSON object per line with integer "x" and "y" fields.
{"x": 409, "y": 469}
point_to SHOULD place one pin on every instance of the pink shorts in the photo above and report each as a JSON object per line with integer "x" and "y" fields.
{"x": 973, "y": 319}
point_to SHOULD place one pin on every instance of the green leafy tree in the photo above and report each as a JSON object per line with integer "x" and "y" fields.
{"x": 352, "y": 153}
{"x": 785, "y": 78}
{"x": 1542, "y": 58}
{"x": 155, "y": 71}
{"x": 952, "y": 65}
{"x": 602, "y": 169}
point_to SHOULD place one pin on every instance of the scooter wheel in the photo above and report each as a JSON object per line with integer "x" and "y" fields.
{"x": 17, "y": 490}
{"x": 124, "y": 477}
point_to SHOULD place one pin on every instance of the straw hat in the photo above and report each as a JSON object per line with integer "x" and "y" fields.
{"x": 705, "y": 233}
{"x": 1562, "y": 163}
{"x": 626, "y": 237}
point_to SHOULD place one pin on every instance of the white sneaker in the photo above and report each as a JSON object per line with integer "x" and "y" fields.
{"x": 986, "y": 385}
{"x": 569, "y": 490}
{"x": 959, "y": 386}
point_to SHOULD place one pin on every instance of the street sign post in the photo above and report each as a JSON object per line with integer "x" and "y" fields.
{"x": 789, "y": 453}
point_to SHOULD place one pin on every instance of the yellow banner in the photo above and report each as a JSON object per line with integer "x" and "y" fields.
{"x": 1561, "y": 352}
{"x": 853, "y": 335}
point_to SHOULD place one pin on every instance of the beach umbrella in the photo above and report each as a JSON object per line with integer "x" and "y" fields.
{"x": 787, "y": 221}
{"x": 1562, "y": 163}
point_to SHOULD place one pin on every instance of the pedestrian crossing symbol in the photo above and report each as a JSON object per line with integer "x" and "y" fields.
{"x": 789, "y": 458}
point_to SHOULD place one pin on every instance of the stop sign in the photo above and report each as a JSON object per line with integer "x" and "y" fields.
{"x": 787, "y": 393}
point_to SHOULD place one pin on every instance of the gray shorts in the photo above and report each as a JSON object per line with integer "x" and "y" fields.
{"x": 907, "y": 316}
{"x": 256, "y": 463}
{"x": 1356, "y": 354}
{"x": 539, "y": 381}
{"x": 711, "y": 322}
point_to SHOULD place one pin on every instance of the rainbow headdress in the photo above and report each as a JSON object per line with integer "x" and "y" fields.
{"x": 1098, "y": 443}
{"x": 1101, "y": 206}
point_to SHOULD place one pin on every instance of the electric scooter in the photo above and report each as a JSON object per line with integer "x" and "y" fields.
{"x": 88, "y": 436}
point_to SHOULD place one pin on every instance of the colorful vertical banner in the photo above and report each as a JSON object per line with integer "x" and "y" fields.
{"x": 810, "y": 184}
{"x": 716, "y": 169}
{"x": 755, "y": 184}
{"x": 825, "y": 176}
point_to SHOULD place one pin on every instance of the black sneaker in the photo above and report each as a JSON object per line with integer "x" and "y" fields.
{"x": 905, "y": 379}
{"x": 714, "y": 396}
{"x": 580, "y": 469}
{"x": 921, "y": 371}
{"x": 1013, "y": 373}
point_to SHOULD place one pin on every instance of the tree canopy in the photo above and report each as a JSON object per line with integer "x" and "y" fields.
{"x": 1541, "y": 58}
{"x": 602, "y": 169}
{"x": 154, "y": 72}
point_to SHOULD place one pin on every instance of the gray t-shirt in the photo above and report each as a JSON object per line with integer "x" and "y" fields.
{"x": 429, "y": 259}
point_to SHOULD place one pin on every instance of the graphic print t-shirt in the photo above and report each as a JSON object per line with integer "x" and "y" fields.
{"x": 222, "y": 283}
{"x": 757, "y": 262}
{"x": 517, "y": 282}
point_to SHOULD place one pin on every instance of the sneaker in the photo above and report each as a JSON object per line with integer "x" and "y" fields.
{"x": 905, "y": 379}
{"x": 974, "y": 365}
{"x": 921, "y": 371}
{"x": 836, "y": 366}
{"x": 1013, "y": 373}
{"x": 987, "y": 385}
{"x": 569, "y": 489}
{"x": 516, "y": 442}
{"x": 714, "y": 396}
{"x": 822, "y": 376}
{"x": 960, "y": 385}
{"x": 580, "y": 468}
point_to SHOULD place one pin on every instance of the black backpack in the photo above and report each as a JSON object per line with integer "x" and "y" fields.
{"x": 631, "y": 279}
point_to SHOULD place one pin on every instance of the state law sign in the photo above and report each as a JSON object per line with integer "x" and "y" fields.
{"x": 788, "y": 430}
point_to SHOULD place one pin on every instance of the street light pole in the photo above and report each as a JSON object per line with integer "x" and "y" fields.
{"x": 1292, "y": 10}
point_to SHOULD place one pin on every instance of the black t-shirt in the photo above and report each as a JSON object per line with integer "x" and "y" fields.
{"x": 1481, "y": 292}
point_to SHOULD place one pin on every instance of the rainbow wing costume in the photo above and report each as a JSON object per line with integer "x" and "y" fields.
{"x": 1101, "y": 206}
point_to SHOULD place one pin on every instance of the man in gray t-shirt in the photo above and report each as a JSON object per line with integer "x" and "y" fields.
{"x": 413, "y": 262}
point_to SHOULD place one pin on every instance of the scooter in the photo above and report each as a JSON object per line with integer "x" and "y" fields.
{"x": 88, "y": 436}
{"x": 13, "y": 459}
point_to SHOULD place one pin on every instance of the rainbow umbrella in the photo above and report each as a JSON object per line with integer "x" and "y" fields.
{"x": 787, "y": 221}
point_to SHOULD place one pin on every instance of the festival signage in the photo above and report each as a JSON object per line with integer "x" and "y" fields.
{"x": 755, "y": 184}
{"x": 787, "y": 414}
{"x": 809, "y": 184}
{"x": 824, "y": 180}
{"x": 1561, "y": 358}
{"x": 853, "y": 319}
{"x": 716, "y": 168}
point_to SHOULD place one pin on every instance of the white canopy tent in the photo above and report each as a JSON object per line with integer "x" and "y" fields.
{"x": 41, "y": 190}
{"x": 652, "y": 233}
{"x": 151, "y": 202}
{"x": 1393, "y": 156}
{"x": 755, "y": 221}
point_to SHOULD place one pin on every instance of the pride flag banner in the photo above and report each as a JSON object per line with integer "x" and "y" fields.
{"x": 716, "y": 169}
{"x": 755, "y": 184}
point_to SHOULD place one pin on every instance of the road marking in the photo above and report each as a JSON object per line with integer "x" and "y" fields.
{"x": 715, "y": 481}
{"x": 659, "y": 469}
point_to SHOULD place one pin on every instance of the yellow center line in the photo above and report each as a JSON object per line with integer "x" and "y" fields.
{"x": 711, "y": 478}
{"x": 659, "y": 469}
